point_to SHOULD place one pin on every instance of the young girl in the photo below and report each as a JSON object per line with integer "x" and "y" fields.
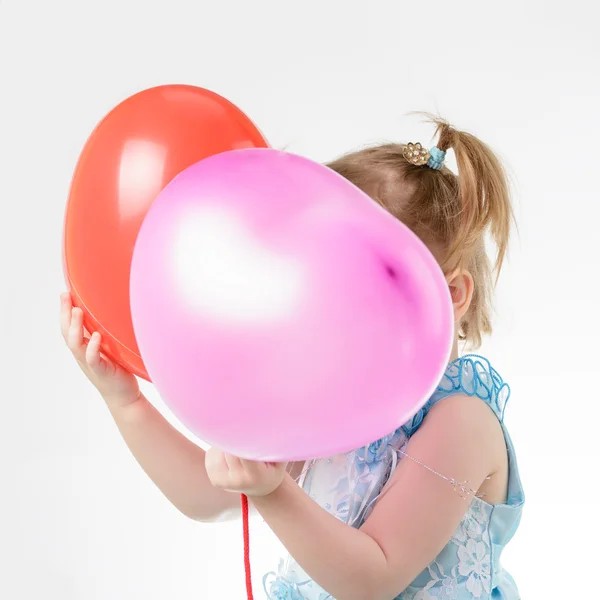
{"x": 424, "y": 512}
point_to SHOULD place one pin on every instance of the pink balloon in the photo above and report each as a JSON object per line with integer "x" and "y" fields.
{"x": 281, "y": 313}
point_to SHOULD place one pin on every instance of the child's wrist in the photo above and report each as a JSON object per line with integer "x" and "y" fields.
{"x": 120, "y": 400}
{"x": 275, "y": 494}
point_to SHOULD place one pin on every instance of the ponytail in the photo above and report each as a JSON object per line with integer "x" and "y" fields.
{"x": 483, "y": 190}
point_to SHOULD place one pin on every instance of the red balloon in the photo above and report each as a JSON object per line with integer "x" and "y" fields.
{"x": 135, "y": 151}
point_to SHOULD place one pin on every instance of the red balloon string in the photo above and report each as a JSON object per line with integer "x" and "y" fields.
{"x": 246, "y": 526}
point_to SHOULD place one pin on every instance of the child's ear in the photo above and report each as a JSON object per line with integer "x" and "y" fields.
{"x": 461, "y": 291}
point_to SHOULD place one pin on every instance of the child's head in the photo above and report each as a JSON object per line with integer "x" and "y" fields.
{"x": 451, "y": 213}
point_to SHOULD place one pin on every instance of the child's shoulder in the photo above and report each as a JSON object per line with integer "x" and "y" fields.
{"x": 462, "y": 417}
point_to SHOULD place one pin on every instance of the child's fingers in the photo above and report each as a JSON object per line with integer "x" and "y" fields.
{"x": 75, "y": 340}
{"x": 217, "y": 468}
{"x": 65, "y": 314}
{"x": 215, "y": 460}
{"x": 252, "y": 467}
{"x": 234, "y": 475}
{"x": 234, "y": 464}
{"x": 92, "y": 353}
{"x": 257, "y": 468}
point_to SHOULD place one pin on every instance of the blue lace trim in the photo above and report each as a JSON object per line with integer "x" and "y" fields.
{"x": 472, "y": 375}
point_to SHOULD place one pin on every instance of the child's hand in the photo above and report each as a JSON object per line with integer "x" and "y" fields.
{"x": 114, "y": 383}
{"x": 247, "y": 477}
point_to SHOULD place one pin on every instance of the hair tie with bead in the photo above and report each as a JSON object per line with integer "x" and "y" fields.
{"x": 416, "y": 155}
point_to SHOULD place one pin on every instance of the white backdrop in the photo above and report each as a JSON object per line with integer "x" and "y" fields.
{"x": 78, "y": 519}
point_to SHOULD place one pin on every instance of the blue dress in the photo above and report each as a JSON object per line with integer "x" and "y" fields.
{"x": 348, "y": 486}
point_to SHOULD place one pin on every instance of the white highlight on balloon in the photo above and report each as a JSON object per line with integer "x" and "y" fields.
{"x": 140, "y": 174}
{"x": 226, "y": 273}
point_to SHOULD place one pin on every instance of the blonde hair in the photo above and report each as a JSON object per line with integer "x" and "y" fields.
{"x": 452, "y": 214}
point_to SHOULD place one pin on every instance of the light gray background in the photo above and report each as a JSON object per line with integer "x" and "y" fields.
{"x": 78, "y": 519}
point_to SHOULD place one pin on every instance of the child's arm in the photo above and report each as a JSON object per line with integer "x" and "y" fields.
{"x": 410, "y": 524}
{"x": 175, "y": 464}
